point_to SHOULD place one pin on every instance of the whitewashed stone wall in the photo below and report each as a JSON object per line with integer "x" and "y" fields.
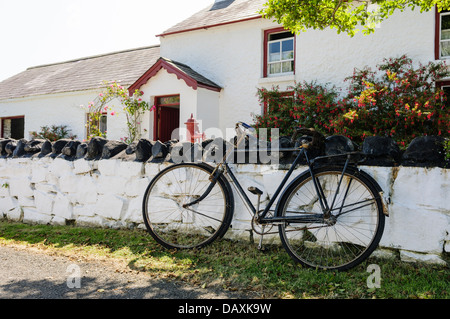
{"x": 108, "y": 193}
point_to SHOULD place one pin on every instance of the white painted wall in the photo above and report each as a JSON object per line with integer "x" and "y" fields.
{"x": 208, "y": 109}
{"x": 231, "y": 55}
{"x": 109, "y": 193}
{"x": 62, "y": 109}
{"x": 57, "y": 109}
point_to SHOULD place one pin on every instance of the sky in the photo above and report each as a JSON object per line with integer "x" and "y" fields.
{"x": 49, "y": 31}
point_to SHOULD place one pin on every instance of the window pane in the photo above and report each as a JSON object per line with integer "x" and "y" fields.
{"x": 288, "y": 50}
{"x": 445, "y": 22}
{"x": 288, "y": 66}
{"x": 168, "y": 100}
{"x": 103, "y": 123}
{"x": 274, "y": 52}
{"x": 274, "y": 68}
{"x": 288, "y": 45}
{"x": 288, "y": 55}
{"x": 445, "y": 48}
{"x": 279, "y": 36}
{"x": 445, "y": 34}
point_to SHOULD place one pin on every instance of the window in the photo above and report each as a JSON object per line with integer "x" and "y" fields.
{"x": 13, "y": 127}
{"x": 442, "y": 46}
{"x": 279, "y": 52}
{"x": 445, "y": 86}
{"x": 445, "y": 35}
{"x": 102, "y": 124}
{"x": 288, "y": 95}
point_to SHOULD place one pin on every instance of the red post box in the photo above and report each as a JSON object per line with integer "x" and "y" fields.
{"x": 193, "y": 131}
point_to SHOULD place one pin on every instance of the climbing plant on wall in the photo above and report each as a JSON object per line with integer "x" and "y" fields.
{"x": 132, "y": 105}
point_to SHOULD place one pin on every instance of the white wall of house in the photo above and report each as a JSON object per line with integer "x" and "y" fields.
{"x": 62, "y": 109}
{"x": 56, "y": 109}
{"x": 208, "y": 109}
{"x": 229, "y": 56}
{"x": 232, "y": 56}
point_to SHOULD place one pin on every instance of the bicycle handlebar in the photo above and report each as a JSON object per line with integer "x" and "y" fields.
{"x": 317, "y": 137}
{"x": 246, "y": 126}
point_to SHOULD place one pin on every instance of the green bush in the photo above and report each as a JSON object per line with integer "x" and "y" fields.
{"x": 53, "y": 133}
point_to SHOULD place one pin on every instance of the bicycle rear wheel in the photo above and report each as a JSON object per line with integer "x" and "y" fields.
{"x": 345, "y": 237}
{"x": 176, "y": 227}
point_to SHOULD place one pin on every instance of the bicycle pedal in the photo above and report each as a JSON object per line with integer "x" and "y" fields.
{"x": 255, "y": 190}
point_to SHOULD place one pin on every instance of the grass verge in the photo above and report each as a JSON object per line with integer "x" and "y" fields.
{"x": 232, "y": 265}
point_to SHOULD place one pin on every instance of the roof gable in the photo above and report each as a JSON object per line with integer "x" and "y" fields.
{"x": 220, "y": 13}
{"x": 182, "y": 71}
{"x": 81, "y": 74}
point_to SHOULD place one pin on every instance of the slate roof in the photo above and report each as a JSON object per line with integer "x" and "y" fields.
{"x": 193, "y": 74}
{"x": 81, "y": 74}
{"x": 182, "y": 71}
{"x": 224, "y": 12}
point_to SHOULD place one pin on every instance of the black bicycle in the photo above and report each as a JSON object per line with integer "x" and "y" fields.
{"x": 330, "y": 217}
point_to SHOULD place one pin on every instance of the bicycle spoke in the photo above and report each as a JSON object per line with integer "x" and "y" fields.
{"x": 176, "y": 226}
{"x": 337, "y": 240}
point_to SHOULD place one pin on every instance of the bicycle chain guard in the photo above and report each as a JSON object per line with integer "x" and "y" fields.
{"x": 258, "y": 228}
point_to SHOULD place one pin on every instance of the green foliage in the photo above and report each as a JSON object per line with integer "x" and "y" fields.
{"x": 447, "y": 149}
{"x": 398, "y": 100}
{"x": 343, "y": 15}
{"x": 53, "y": 133}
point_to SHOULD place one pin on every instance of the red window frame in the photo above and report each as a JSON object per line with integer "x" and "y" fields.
{"x": 437, "y": 34}
{"x": 267, "y": 33}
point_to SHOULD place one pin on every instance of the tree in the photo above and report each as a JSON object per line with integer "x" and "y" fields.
{"x": 343, "y": 15}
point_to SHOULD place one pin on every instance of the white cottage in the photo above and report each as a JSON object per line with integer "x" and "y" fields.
{"x": 210, "y": 65}
{"x": 230, "y": 44}
{"x": 53, "y": 94}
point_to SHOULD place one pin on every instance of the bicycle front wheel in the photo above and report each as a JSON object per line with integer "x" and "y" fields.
{"x": 178, "y": 227}
{"x": 343, "y": 234}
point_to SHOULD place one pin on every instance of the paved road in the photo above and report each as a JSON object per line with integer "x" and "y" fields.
{"x": 29, "y": 274}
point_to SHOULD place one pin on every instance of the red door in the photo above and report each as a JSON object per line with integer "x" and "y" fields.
{"x": 170, "y": 120}
{"x": 167, "y": 117}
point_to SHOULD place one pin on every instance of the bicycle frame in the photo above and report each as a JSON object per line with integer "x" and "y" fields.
{"x": 262, "y": 218}
{"x": 322, "y": 201}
